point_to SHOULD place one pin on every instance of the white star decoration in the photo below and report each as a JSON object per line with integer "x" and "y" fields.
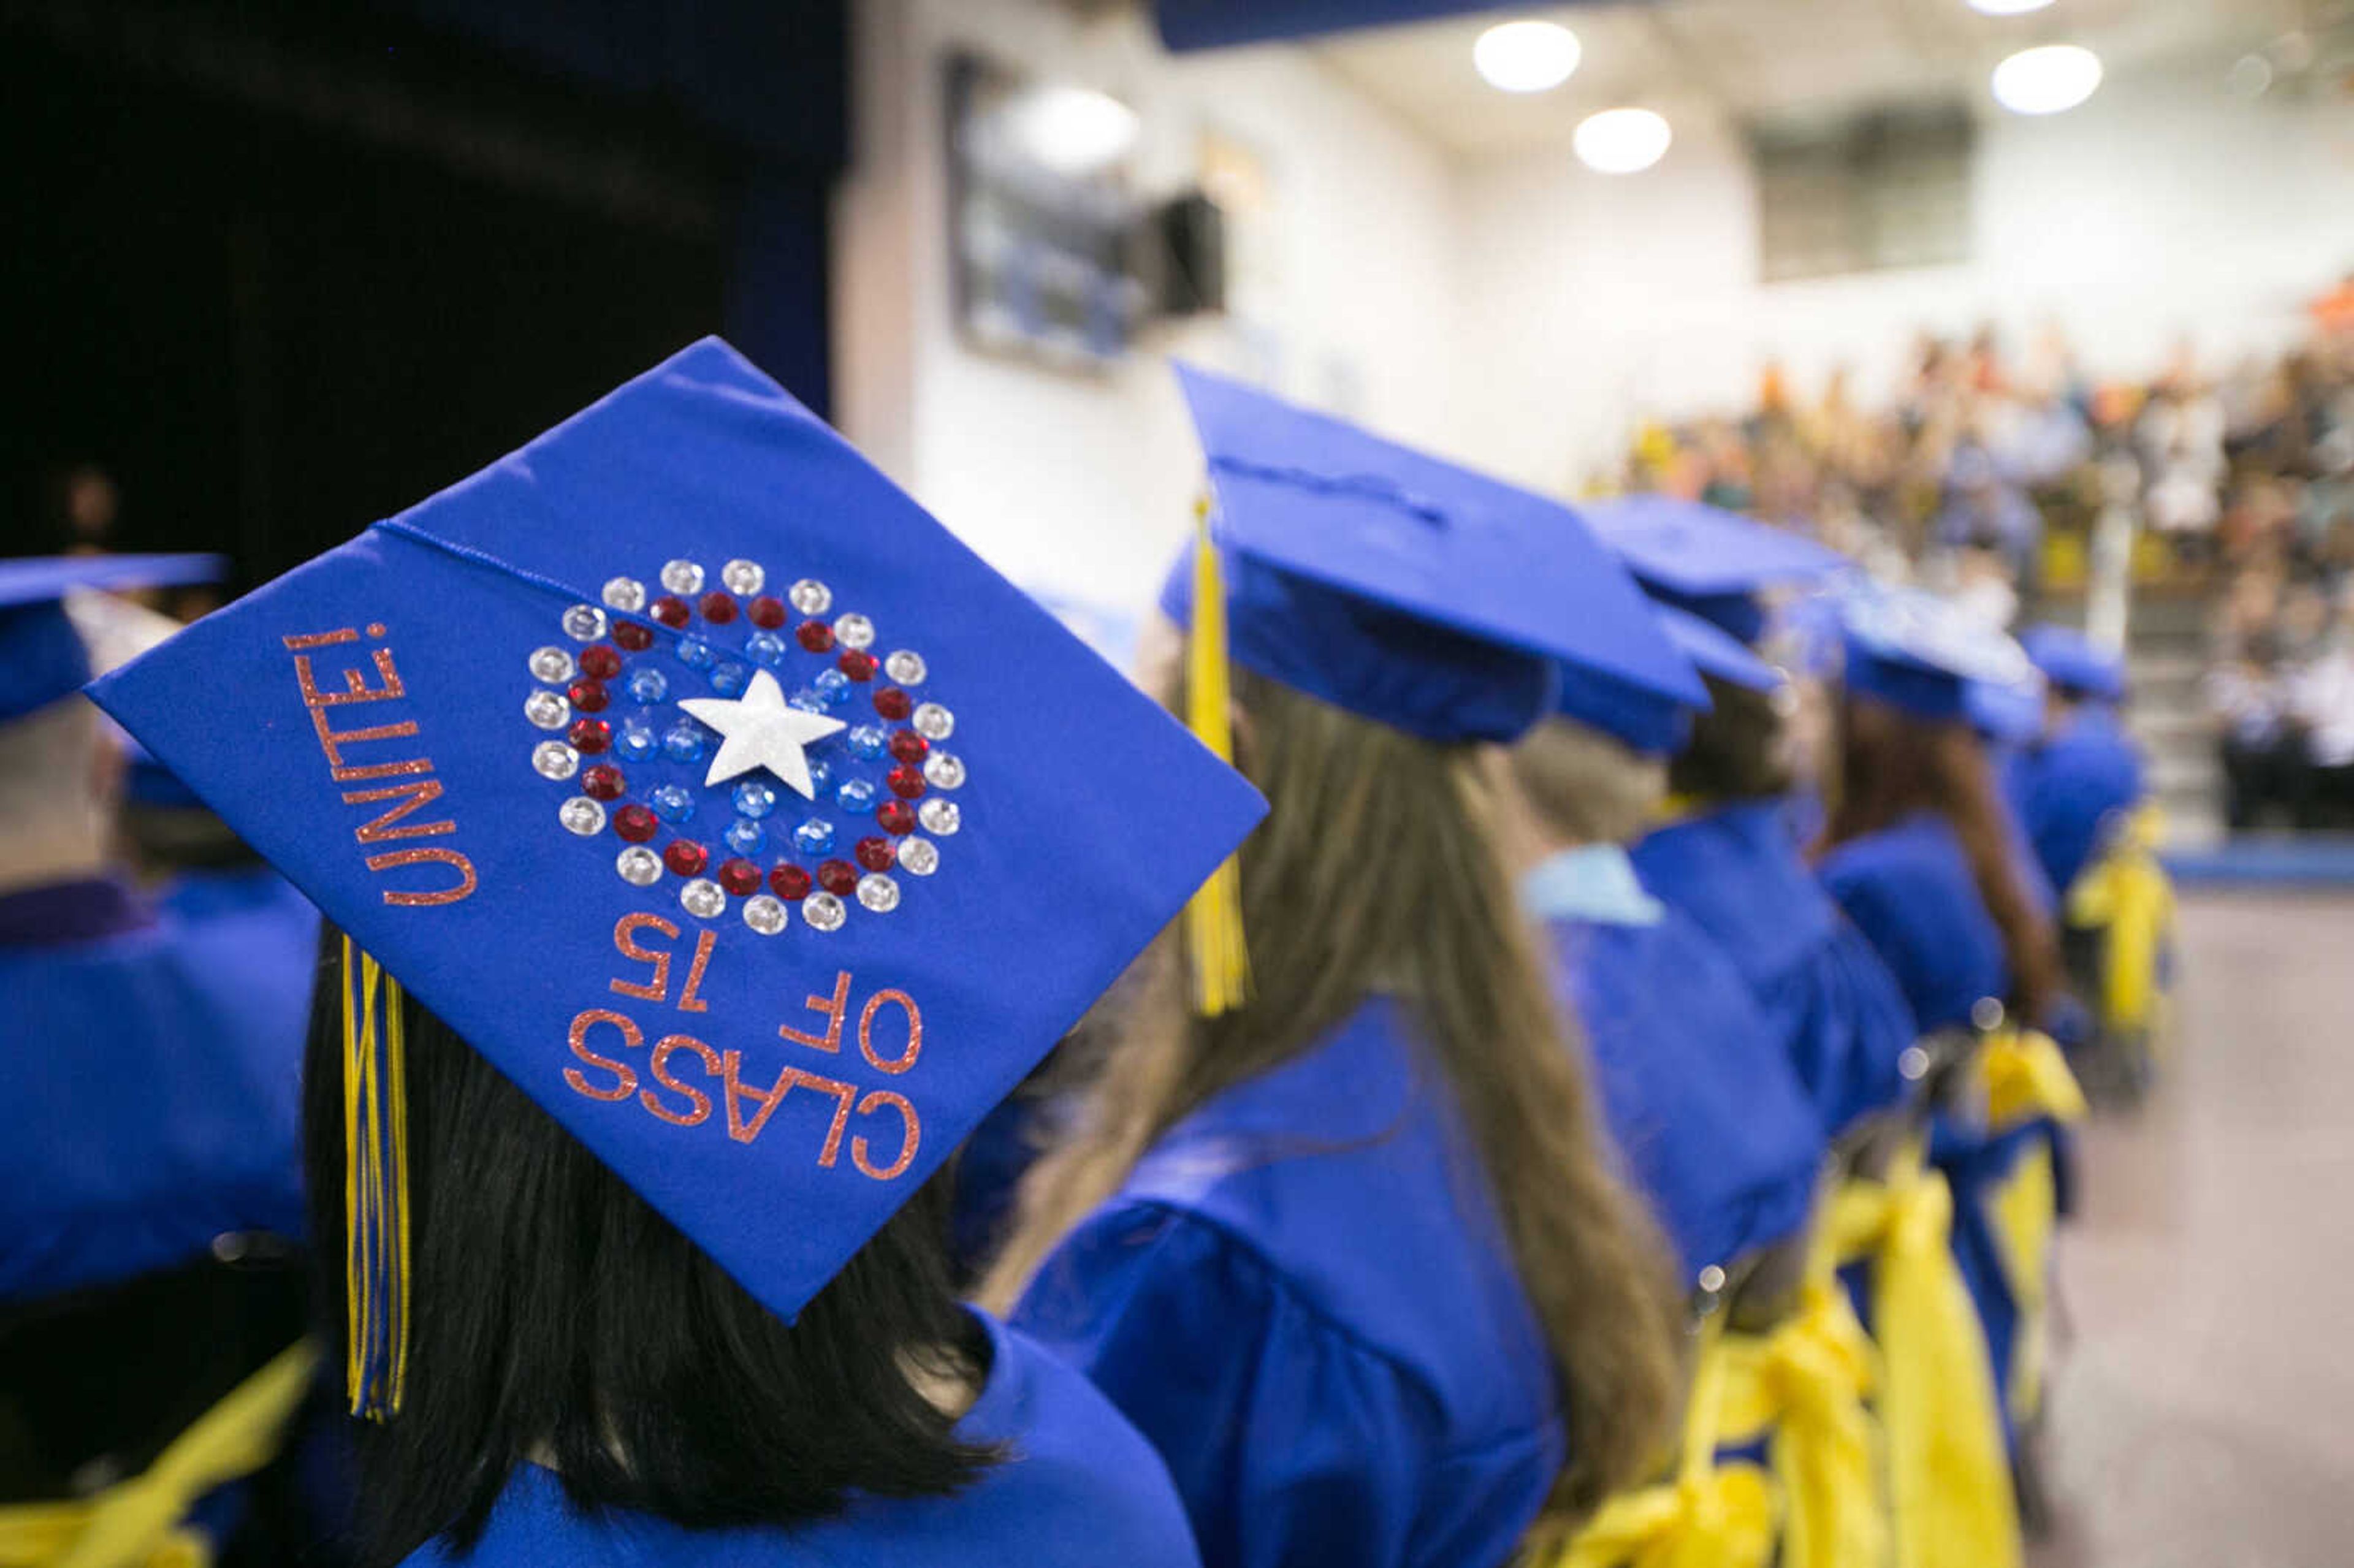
{"x": 761, "y": 731}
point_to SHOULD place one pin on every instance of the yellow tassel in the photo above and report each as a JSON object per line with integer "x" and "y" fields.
{"x": 375, "y": 1190}
{"x": 1214, "y": 917}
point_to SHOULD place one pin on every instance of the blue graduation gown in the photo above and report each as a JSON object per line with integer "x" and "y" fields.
{"x": 1737, "y": 873}
{"x": 155, "y": 1093}
{"x": 2065, "y": 790}
{"x": 1697, "y": 1092}
{"x": 1079, "y": 1489}
{"x": 1304, "y": 1297}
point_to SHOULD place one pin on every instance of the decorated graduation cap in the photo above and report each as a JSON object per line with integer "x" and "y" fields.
{"x": 1924, "y": 654}
{"x": 44, "y": 654}
{"x": 1707, "y": 560}
{"x": 1403, "y": 588}
{"x": 2074, "y": 662}
{"x": 738, "y": 814}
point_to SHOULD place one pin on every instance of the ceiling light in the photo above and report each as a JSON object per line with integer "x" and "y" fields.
{"x": 2046, "y": 81}
{"x": 2007, "y": 7}
{"x": 1526, "y": 56}
{"x": 1621, "y": 140}
{"x": 1074, "y": 131}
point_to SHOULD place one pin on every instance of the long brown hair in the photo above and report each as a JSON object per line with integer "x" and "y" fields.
{"x": 1891, "y": 764}
{"x": 1377, "y": 871}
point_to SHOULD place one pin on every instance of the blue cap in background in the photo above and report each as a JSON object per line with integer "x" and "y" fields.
{"x": 42, "y": 656}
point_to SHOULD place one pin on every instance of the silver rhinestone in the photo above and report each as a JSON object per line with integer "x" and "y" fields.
{"x": 763, "y": 913}
{"x": 933, "y": 721}
{"x": 918, "y": 857}
{"x": 639, "y": 866}
{"x": 582, "y": 815}
{"x": 878, "y": 893}
{"x": 554, "y": 759}
{"x": 906, "y": 668}
{"x": 741, "y": 576}
{"x": 823, "y": 911}
{"x": 854, "y": 631}
{"x": 702, "y": 898}
{"x": 627, "y": 595}
{"x": 584, "y": 623}
{"x": 551, "y": 665}
{"x": 944, "y": 770}
{"x": 940, "y": 817}
{"x": 548, "y": 710}
{"x": 811, "y": 597}
{"x": 681, "y": 577}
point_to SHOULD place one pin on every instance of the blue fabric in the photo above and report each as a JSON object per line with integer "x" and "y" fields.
{"x": 1695, "y": 551}
{"x": 572, "y": 980}
{"x": 1590, "y": 882}
{"x": 1921, "y": 653}
{"x": 1303, "y": 1297}
{"x": 2069, "y": 791}
{"x": 1717, "y": 651}
{"x": 1837, "y": 1013}
{"x": 2010, "y": 713}
{"x": 1220, "y": 24}
{"x": 1696, "y": 1090}
{"x": 1081, "y": 1490}
{"x": 2069, "y": 658}
{"x": 1445, "y": 580}
{"x": 154, "y": 1102}
{"x": 1646, "y": 721}
{"x": 41, "y": 656}
{"x": 1909, "y": 890}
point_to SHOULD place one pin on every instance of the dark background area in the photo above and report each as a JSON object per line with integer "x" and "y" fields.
{"x": 283, "y": 270}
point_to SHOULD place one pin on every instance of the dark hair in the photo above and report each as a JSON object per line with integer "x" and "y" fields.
{"x": 554, "y": 1315}
{"x": 1735, "y": 749}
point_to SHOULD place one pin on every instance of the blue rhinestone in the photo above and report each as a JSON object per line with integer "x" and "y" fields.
{"x": 685, "y": 743}
{"x": 636, "y": 742}
{"x": 648, "y": 684}
{"x": 755, "y": 798}
{"x": 814, "y": 836}
{"x": 868, "y": 741}
{"x": 746, "y": 836}
{"x": 808, "y": 702}
{"x": 674, "y": 803}
{"x": 832, "y": 687}
{"x": 856, "y": 796}
{"x": 730, "y": 679}
{"x": 765, "y": 648}
{"x": 696, "y": 654}
{"x": 821, "y": 774}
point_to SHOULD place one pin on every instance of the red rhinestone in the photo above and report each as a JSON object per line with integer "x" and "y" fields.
{"x": 838, "y": 876}
{"x": 740, "y": 877}
{"x": 670, "y": 610}
{"x": 814, "y": 635}
{"x": 589, "y": 696}
{"x": 603, "y": 782}
{"x": 906, "y": 783}
{"x": 600, "y": 662}
{"x": 718, "y": 607}
{"x": 877, "y": 853}
{"x": 636, "y": 824}
{"x": 767, "y": 612}
{"x": 894, "y": 703}
{"x": 790, "y": 881}
{"x": 591, "y": 735}
{"x": 856, "y": 663}
{"x": 909, "y": 747}
{"x": 895, "y": 817}
{"x": 634, "y": 635}
{"x": 685, "y": 857}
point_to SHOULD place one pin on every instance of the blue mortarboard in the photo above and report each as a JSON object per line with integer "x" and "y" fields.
{"x": 1405, "y": 589}
{"x": 42, "y": 656}
{"x": 1707, "y": 560}
{"x": 737, "y": 812}
{"x": 1921, "y": 653}
{"x": 2074, "y": 662}
{"x": 1657, "y": 725}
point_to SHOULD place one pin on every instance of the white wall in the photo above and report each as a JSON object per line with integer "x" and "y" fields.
{"x": 2160, "y": 209}
{"x": 1082, "y": 485}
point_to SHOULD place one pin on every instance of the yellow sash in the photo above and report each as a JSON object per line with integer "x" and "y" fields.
{"x": 1806, "y": 1381}
{"x": 2126, "y": 895}
{"x": 2025, "y": 1210}
{"x": 2025, "y": 1078}
{"x": 1949, "y": 1480}
{"x": 137, "y": 1523}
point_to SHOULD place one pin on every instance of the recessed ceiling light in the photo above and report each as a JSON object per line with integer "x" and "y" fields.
{"x": 1621, "y": 140}
{"x": 2007, "y": 7}
{"x": 1074, "y": 131}
{"x": 1526, "y": 56}
{"x": 2046, "y": 81}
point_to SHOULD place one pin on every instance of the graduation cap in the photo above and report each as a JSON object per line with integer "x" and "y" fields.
{"x": 737, "y": 812}
{"x": 1403, "y": 588}
{"x": 1925, "y": 656}
{"x": 44, "y": 654}
{"x": 2074, "y": 662}
{"x": 1657, "y": 725}
{"x": 1707, "y": 560}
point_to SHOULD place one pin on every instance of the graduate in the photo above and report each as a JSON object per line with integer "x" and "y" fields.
{"x": 2078, "y": 778}
{"x": 1722, "y": 852}
{"x": 1337, "y": 1227}
{"x": 693, "y": 891}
